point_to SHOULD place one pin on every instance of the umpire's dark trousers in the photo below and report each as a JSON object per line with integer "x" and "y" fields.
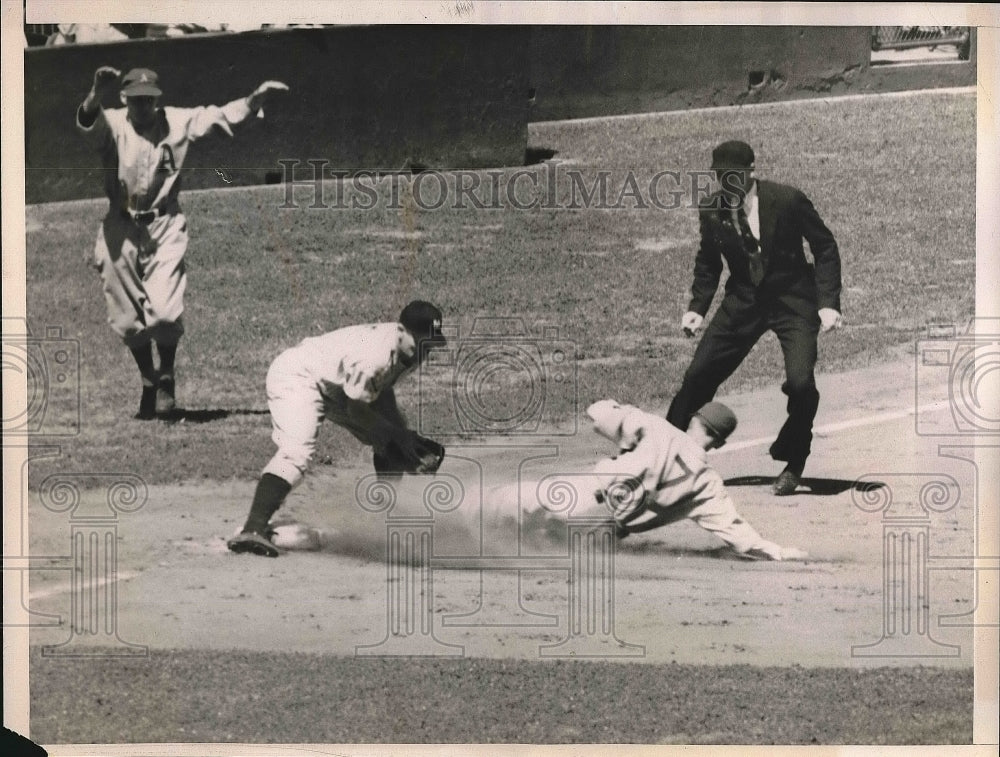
{"x": 728, "y": 339}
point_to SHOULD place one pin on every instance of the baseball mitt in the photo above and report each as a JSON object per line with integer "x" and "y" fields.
{"x": 412, "y": 453}
{"x": 429, "y": 454}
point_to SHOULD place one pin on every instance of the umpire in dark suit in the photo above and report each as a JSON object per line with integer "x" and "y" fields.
{"x": 758, "y": 227}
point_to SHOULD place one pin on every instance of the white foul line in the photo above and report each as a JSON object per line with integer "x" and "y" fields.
{"x": 832, "y": 428}
{"x": 66, "y": 588}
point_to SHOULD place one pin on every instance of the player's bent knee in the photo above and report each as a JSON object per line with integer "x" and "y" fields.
{"x": 287, "y": 468}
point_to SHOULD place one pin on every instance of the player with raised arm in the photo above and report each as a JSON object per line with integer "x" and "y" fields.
{"x": 143, "y": 238}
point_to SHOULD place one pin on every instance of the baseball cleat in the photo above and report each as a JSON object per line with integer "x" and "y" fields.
{"x": 147, "y": 404}
{"x": 787, "y": 482}
{"x": 165, "y": 403}
{"x": 251, "y": 541}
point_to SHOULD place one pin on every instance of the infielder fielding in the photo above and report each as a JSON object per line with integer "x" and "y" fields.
{"x": 346, "y": 376}
{"x": 661, "y": 475}
{"x": 141, "y": 244}
{"x": 758, "y": 227}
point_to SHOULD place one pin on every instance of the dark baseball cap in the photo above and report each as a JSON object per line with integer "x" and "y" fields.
{"x": 718, "y": 419}
{"x": 732, "y": 155}
{"x": 140, "y": 82}
{"x": 423, "y": 320}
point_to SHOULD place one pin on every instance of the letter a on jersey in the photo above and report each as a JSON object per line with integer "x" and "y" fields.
{"x": 167, "y": 162}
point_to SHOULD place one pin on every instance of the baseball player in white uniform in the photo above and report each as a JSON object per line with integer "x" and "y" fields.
{"x": 346, "y": 376}
{"x": 661, "y": 475}
{"x": 141, "y": 244}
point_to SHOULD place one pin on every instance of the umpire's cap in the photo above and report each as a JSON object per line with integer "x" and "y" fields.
{"x": 732, "y": 155}
{"x": 718, "y": 419}
{"x": 141, "y": 82}
{"x": 423, "y": 320}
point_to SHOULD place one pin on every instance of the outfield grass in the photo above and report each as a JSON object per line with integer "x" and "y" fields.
{"x": 199, "y": 696}
{"x": 894, "y": 178}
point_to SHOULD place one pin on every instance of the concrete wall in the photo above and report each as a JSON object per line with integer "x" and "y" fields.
{"x": 580, "y": 71}
{"x": 399, "y": 97}
{"x": 362, "y": 97}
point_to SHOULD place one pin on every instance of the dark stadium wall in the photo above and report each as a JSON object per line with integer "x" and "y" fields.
{"x": 372, "y": 97}
{"x": 396, "y": 98}
{"x": 580, "y": 71}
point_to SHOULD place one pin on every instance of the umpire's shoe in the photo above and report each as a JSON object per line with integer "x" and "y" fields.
{"x": 789, "y": 480}
{"x": 251, "y": 541}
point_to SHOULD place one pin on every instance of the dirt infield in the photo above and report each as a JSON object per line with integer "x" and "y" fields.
{"x": 676, "y": 598}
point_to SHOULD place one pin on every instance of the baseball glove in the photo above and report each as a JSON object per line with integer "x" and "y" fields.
{"x": 412, "y": 453}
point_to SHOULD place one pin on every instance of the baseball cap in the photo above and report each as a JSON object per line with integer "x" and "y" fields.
{"x": 718, "y": 419}
{"x": 423, "y": 320}
{"x": 141, "y": 82}
{"x": 733, "y": 154}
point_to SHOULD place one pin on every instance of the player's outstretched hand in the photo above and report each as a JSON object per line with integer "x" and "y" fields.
{"x": 792, "y": 553}
{"x": 263, "y": 93}
{"x": 768, "y": 550}
{"x": 106, "y": 79}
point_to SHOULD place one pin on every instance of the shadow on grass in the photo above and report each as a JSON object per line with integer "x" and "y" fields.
{"x": 185, "y": 415}
{"x": 822, "y": 487}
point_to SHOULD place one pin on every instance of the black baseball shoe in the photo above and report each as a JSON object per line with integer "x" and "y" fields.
{"x": 147, "y": 404}
{"x": 165, "y": 402}
{"x": 788, "y": 481}
{"x": 251, "y": 541}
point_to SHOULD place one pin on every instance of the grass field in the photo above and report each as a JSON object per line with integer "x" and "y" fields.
{"x": 894, "y": 180}
{"x": 334, "y": 700}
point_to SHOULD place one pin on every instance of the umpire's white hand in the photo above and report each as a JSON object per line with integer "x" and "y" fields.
{"x": 691, "y": 322}
{"x": 830, "y": 319}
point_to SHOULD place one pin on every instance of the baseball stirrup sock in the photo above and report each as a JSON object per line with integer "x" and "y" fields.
{"x": 167, "y": 354}
{"x": 144, "y": 359}
{"x": 271, "y": 492}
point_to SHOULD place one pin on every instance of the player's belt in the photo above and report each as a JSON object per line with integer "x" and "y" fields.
{"x": 145, "y": 217}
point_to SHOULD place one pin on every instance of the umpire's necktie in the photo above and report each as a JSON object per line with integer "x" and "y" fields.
{"x": 752, "y": 247}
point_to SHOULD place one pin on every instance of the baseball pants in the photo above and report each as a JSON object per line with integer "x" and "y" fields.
{"x": 298, "y": 407}
{"x": 142, "y": 270}
{"x": 726, "y": 342}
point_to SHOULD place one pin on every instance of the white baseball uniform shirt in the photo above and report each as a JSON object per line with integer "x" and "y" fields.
{"x": 346, "y": 376}
{"x": 142, "y": 264}
{"x": 144, "y": 173}
{"x": 662, "y": 475}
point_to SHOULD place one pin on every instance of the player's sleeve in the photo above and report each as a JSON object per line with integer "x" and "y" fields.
{"x": 96, "y": 129}
{"x": 707, "y": 265}
{"x": 204, "y": 119}
{"x": 716, "y": 512}
{"x": 824, "y": 250}
{"x": 363, "y": 382}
